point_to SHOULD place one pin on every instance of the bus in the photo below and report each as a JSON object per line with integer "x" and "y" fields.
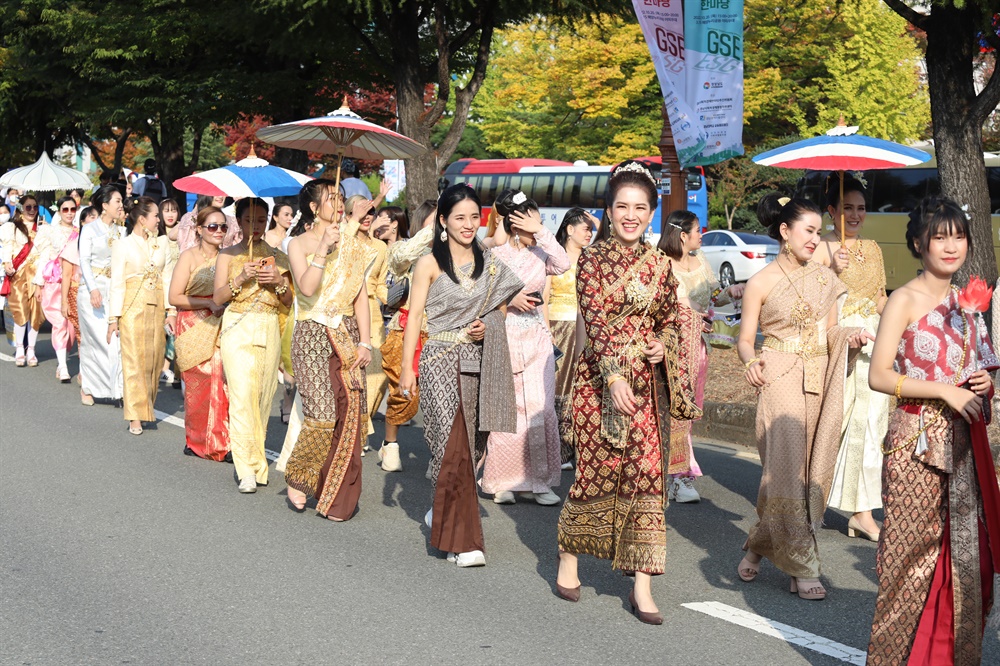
{"x": 558, "y": 186}
{"x": 892, "y": 194}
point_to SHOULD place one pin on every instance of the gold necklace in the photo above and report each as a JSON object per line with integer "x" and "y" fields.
{"x": 859, "y": 254}
{"x": 802, "y": 312}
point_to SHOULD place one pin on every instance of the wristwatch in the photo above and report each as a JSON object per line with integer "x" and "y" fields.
{"x": 366, "y": 346}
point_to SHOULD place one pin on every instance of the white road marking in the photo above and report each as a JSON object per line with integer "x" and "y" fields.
{"x": 785, "y": 632}
{"x": 179, "y": 422}
{"x": 6, "y": 357}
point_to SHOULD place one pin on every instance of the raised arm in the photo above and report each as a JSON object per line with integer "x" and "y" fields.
{"x": 403, "y": 254}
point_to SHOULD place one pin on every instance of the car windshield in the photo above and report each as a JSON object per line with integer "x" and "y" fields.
{"x": 755, "y": 239}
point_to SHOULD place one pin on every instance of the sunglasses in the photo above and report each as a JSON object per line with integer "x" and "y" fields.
{"x": 30, "y": 207}
{"x": 68, "y": 210}
{"x": 212, "y": 228}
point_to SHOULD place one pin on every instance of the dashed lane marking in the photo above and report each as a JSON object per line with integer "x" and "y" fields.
{"x": 784, "y": 632}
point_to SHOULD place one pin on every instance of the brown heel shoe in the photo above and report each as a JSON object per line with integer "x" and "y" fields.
{"x": 567, "y": 593}
{"x": 648, "y": 618}
{"x": 814, "y": 592}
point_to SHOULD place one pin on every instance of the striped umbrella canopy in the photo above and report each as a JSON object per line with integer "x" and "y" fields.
{"x": 45, "y": 176}
{"x": 842, "y": 149}
{"x": 250, "y": 177}
{"x": 342, "y": 133}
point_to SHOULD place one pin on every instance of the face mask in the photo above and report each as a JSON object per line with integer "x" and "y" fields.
{"x": 4, "y": 216}
{"x": 14, "y": 198}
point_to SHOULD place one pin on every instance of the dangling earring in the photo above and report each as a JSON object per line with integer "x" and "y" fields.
{"x": 444, "y": 236}
{"x": 788, "y": 251}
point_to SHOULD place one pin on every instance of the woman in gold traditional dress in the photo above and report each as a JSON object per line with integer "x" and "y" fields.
{"x": 330, "y": 349}
{"x": 17, "y": 242}
{"x": 857, "y": 480}
{"x": 574, "y": 234}
{"x": 800, "y": 380}
{"x": 621, "y": 406}
{"x": 252, "y": 277}
{"x": 939, "y": 553}
{"x": 139, "y": 285}
{"x": 199, "y": 360}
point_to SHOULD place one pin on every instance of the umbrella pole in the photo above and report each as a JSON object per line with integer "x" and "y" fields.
{"x": 336, "y": 186}
{"x": 843, "y": 224}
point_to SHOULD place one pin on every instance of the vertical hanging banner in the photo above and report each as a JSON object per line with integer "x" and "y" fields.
{"x": 698, "y": 56}
{"x": 662, "y": 23}
{"x": 713, "y": 37}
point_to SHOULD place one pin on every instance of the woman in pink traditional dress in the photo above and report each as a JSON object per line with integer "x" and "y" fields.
{"x": 527, "y": 462}
{"x": 50, "y": 241}
{"x": 939, "y": 552}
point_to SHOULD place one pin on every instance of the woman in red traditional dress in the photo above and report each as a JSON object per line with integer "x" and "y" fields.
{"x": 622, "y": 401}
{"x": 939, "y": 553}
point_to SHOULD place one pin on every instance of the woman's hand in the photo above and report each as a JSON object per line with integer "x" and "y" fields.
{"x": 331, "y": 236}
{"x": 407, "y": 381}
{"x": 980, "y": 383}
{"x": 8, "y": 268}
{"x": 64, "y": 309}
{"x": 216, "y": 309}
{"x": 839, "y": 261}
{"x": 859, "y": 339}
{"x": 112, "y": 331}
{"x": 529, "y": 223}
{"x": 95, "y": 299}
{"x": 622, "y": 398}
{"x": 361, "y": 209}
{"x": 170, "y": 326}
{"x": 476, "y": 330}
{"x": 968, "y": 405}
{"x": 38, "y": 293}
{"x": 363, "y": 359}
{"x": 269, "y": 275}
{"x": 249, "y": 272}
{"x": 736, "y": 290}
{"x": 654, "y": 352}
{"x": 755, "y": 374}
{"x": 522, "y": 302}
{"x": 384, "y": 188}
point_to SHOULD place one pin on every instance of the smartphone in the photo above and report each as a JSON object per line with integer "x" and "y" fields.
{"x": 536, "y": 295}
{"x": 267, "y": 262}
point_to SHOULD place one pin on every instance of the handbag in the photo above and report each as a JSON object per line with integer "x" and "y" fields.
{"x": 398, "y": 293}
{"x": 725, "y": 330}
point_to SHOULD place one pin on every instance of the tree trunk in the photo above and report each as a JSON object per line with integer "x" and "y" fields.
{"x": 958, "y": 135}
{"x": 169, "y": 152}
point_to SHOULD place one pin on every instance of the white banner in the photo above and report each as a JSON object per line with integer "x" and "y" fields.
{"x": 395, "y": 173}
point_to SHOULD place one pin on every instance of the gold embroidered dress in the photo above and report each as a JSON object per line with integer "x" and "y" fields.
{"x": 857, "y": 481}
{"x": 562, "y": 323}
{"x": 139, "y": 285}
{"x": 799, "y": 411}
{"x": 615, "y": 508}
{"x": 24, "y": 307}
{"x": 326, "y": 460}
{"x": 250, "y": 342}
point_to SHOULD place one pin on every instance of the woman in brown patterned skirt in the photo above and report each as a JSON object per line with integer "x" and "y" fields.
{"x": 331, "y": 346}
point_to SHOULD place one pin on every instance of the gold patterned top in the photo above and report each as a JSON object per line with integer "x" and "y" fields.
{"x": 698, "y": 284}
{"x": 202, "y": 281}
{"x": 864, "y": 277}
{"x": 253, "y": 297}
{"x": 343, "y": 275}
{"x": 137, "y": 256}
{"x": 562, "y": 296}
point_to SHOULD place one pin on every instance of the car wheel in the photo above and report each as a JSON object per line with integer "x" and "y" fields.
{"x": 727, "y": 276}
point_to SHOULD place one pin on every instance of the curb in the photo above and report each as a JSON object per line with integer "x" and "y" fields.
{"x": 728, "y": 422}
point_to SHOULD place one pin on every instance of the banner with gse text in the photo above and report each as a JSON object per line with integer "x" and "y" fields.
{"x": 713, "y": 39}
{"x": 662, "y": 23}
{"x": 698, "y": 56}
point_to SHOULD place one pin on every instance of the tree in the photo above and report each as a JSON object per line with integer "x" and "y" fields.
{"x": 954, "y": 29}
{"x": 546, "y": 92}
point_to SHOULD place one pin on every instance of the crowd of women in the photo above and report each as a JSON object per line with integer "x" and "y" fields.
{"x": 531, "y": 352}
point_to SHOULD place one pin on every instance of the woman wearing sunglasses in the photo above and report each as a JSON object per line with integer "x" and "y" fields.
{"x": 17, "y": 255}
{"x": 50, "y": 241}
{"x": 206, "y": 405}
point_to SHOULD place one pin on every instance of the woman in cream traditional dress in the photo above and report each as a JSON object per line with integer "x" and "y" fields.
{"x": 252, "y": 277}
{"x": 139, "y": 285}
{"x": 50, "y": 242}
{"x": 199, "y": 360}
{"x": 17, "y": 255}
{"x": 100, "y": 358}
{"x": 800, "y": 380}
{"x": 857, "y": 481}
{"x": 330, "y": 349}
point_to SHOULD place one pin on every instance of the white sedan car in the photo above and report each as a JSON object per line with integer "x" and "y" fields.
{"x": 736, "y": 255}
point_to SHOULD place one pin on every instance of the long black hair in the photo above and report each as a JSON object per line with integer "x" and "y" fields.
{"x": 851, "y": 184}
{"x": 142, "y": 207}
{"x": 446, "y": 202}
{"x": 311, "y": 193}
{"x": 935, "y": 215}
{"x": 678, "y": 222}
{"x": 102, "y": 196}
{"x": 573, "y": 217}
{"x": 418, "y": 216}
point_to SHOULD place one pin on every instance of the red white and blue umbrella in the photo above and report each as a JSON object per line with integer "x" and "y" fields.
{"x": 842, "y": 149}
{"x": 250, "y": 177}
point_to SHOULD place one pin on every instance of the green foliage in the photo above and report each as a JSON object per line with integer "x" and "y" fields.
{"x": 736, "y": 185}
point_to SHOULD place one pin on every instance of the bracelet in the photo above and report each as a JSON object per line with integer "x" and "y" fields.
{"x": 746, "y": 366}
{"x": 322, "y": 266}
{"x": 366, "y": 346}
{"x": 113, "y": 320}
{"x": 171, "y": 312}
{"x": 281, "y": 289}
{"x": 899, "y": 387}
{"x": 615, "y": 378}
{"x": 233, "y": 288}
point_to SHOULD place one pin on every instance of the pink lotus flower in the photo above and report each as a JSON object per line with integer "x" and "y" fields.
{"x": 976, "y": 295}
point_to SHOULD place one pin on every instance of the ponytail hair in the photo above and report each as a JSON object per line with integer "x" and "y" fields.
{"x": 142, "y": 207}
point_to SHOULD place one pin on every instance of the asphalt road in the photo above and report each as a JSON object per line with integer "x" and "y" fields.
{"x": 117, "y": 549}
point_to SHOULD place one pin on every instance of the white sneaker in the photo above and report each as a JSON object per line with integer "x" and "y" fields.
{"x": 388, "y": 455}
{"x": 474, "y": 558}
{"x": 429, "y": 517}
{"x": 452, "y": 557}
{"x": 248, "y": 484}
{"x": 548, "y": 498}
{"x": 683, "y": 491}
{"x": 167, "y": 376}
{"x": 62, "y": 374}
{"x": 502, "y": 497}
{"x": 566, "y": 465}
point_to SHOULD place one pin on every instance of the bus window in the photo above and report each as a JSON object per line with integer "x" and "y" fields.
{"x": 562, "y": 191}
{"x": 524, "y": 183}
{"x": 901, "y": 190}
{"x": 542, "y": 189}
{"x": 589, "y": 190}
{"x": 602, "y": 190}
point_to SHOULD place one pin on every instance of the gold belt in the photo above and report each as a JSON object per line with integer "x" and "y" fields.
{"x": 805, "y": 350}
{"x": 459, "y": 337}
{"x": 104, "y": 270}
{"x": 864, "y": 307}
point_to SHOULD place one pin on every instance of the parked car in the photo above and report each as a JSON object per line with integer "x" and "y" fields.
{"x": 736, "y": 255}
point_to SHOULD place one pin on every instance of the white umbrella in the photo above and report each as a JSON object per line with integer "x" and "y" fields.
{"x": 45, "y": 176}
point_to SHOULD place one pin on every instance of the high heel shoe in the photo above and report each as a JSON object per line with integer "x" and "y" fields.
{"x": 854, "y": 529}
{"x": 648, "y": 618}
{"x": 815, "y": 591}
{"x": 567, "y": 593}
{"x": 747, "y": 570}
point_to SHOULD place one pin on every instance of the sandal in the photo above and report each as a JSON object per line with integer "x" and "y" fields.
{"x": 32, "y": 359}
{"x": 809, "y": 589}
{"x": 86, "y": 399}
{"x": 19, "y": 357}
{"x": 135, "y": 430}
{"x": 748, "y": 570}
